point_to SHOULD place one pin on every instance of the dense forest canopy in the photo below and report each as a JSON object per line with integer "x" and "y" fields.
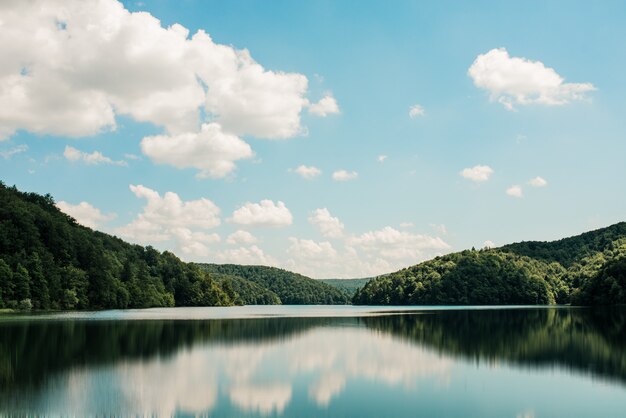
{"x": 49, "y": 261}
{"x": 291, "y": 288}
{"x": 588, "y": 269}
{"x": 349, "y": 286}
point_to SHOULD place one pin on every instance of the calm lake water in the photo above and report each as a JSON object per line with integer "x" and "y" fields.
{"x": 316, "y": 362}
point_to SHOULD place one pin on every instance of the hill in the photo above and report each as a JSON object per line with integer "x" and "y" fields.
{"x": 586, "y": 269}
{"x": 248, "y": 292}
{"x": 291, "y": 288}
{"x": 349, "y": 286}
{"x": 49, "y": 261}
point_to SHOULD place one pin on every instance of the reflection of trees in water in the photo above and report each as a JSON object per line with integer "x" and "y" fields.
{"x": 30, "y": 351}
{"x": 586, "y": 340}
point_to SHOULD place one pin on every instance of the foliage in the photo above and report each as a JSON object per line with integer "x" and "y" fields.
{"x": 586, "y": 269}
{"x": 291, "y": 288}
{"x": 48, "y": 261}
{"x": 349, "y": 286}
{"x": 248, "y": 292}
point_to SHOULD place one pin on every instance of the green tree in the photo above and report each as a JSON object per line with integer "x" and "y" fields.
{"x": 21, "y": 279}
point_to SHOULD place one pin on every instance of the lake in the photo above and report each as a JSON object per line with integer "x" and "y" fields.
{"x": 317, "y": 361}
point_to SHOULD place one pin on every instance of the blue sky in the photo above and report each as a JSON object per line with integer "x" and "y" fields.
{"x": 509, "y": 91}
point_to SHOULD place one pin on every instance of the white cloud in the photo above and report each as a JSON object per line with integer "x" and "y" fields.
{"x": 85, "y": 214}
{"x": 381, "y": 158}
{"x": 515, "y": 191}
{"x": 7, "y": 154}
{"x": 310, "y": 250}
{"x": 308, "y": 172}
{"x": 211, "y": 150}
{"x": 326, "y": 106}
{"x": 75, "y": 79}
{"x": 538, "y": 182}
{"x": 264, "y": 213}
{"x": 366, "y": 255}
{"x": 328, "y": 225}
{"x": 94, "y": 158}
{"x": 343, "y": 175}
{"x": 168, "y": 217}
{"x": 241, "y": 237}
{"x": 194, "y": 244}
{"x": 519, "y": 81}
{"x": 390, "y": 243}
{"x": 478, "y": 173}
{"x": 407, "y": 224}
{"x": 132, "y": 157}
{"x": 489, "y": 244}
{"x": 415, "y": 111}
{"x": 439, "y": 228}
{"x": 245, "y": 255}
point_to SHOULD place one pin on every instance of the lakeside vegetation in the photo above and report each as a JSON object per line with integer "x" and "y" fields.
{"x": 49, "y": 261}
{"x": 588, "y": 269}
{"x": 584, "y": 340}
{"x": 349, "y": 286}
{"x": 291, "y": 288}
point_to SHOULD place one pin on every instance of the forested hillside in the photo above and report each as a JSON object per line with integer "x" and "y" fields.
{"x": 349, "y": 286}
{"x": 248, "y": 292}
{"x": 48, "y": 261}
{"x": 587, "y": 269}
{"x": 291, "y": 288}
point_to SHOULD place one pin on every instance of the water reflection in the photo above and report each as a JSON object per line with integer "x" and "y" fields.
{"x": 439, "y": 363}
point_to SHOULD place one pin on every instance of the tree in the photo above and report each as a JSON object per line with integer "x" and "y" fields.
{"x": 6, "y": 283}
{"x": 21, "y": 279}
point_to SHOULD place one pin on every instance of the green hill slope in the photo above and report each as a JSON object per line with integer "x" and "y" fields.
{"x": 48, "y": 261}
{"x": 291, "y": 288}
{"x": 585, "y": 269}
{"x": 248, "y": 292}
{"x": 349, "y": 286}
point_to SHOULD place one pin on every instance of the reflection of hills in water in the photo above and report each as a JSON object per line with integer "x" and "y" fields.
{"x": 584, "y": 340}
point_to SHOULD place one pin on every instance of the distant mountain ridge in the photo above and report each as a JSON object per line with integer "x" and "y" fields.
{"x": 349, "y": 286}
{"x": 291, "y": 288}
{"x": 587, "y": 269}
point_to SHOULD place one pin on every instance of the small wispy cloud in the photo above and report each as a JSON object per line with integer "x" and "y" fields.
{"x": 415, "y": 111}
{"x": 343, "y": 175}
{"x": 478, "y": 173}
{"x": 7, "y": 154}
{"x": 538, "y": 182}
{"x": 515, "y": 191}
{"x": 307, "y": 172}
{"x": 94, "y": 158}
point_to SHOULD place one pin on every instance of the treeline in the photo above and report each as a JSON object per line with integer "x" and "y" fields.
{"x": 589, "y": 269}
{"x": 291, "y": 288}
{"x": 48, "y": 261}
{"x": 349, "y": 286}
{"x": 585, "y": 340}
{"x": 248, "y": 292}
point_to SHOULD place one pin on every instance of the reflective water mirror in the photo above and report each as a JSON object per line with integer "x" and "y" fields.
{"x": 524, "y": 362}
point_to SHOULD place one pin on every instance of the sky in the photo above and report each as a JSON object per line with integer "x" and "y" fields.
{"x": 337, "y": 139}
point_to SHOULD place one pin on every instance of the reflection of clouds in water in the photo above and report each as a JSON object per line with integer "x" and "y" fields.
{"x": 186, "y": 382}
{"x": 256, "y": 378}
{"x": 262, "y": 398}
{"x": 327, "y": 386}
{"x": 365, "y": 355}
